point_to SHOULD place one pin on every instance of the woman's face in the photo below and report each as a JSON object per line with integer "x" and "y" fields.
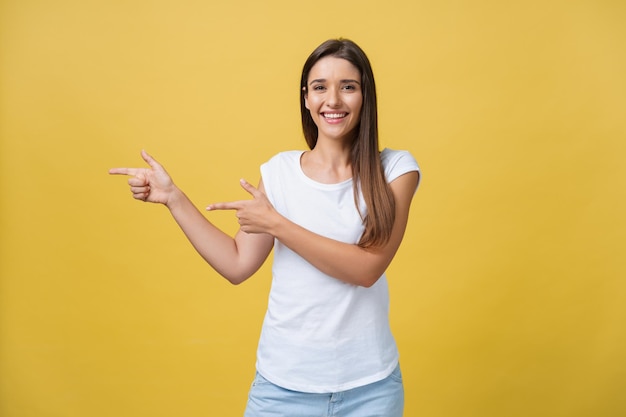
{"x": 334, "y": 97}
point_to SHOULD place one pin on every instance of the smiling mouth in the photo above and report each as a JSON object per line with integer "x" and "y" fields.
{"x": 334, "y": 115}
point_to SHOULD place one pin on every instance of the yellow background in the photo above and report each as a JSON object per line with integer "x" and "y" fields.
{"x": 508, "y": 295}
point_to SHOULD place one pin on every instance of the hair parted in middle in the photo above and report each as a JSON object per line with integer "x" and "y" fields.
{"x": 367, "y": 171}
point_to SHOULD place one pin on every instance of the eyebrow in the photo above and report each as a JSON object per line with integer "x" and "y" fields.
{"x": 323, "y": 80}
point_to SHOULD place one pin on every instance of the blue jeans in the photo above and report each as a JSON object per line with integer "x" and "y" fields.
{"x": 380, "y": 399}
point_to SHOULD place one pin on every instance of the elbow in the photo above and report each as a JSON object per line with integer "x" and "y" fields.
{"x": 234, "y": 276}
{"x": 236, "y": 279}
{"x": 369, "y": 282}
{"x": 364, "y": 277}
{"x": 371, "y": 274}
{"x": 367, "y": 279}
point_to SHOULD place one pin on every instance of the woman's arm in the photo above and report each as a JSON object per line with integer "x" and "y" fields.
{"x": 346, "y": 262}
{"x": 236, "y": 259}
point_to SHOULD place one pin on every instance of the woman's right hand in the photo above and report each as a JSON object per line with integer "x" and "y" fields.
{"x": 152, "y": 184}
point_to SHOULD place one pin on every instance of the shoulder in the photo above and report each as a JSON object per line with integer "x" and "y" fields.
{"x": 397, "y": 162}
{"x": 286, "y": 156}
{"x": 280, "y": 171}
{"x": 283, "y": 164}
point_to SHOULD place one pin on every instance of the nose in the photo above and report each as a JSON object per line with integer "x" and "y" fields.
{"x": 333, "y": 98}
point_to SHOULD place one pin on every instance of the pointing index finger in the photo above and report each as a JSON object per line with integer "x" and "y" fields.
{"x": 134, "y": 171}
{"x": 232, "y": 205}
{"x": 124, "y": 171}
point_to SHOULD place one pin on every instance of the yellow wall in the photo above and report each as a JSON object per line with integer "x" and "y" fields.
{"x": 508, "y": 296}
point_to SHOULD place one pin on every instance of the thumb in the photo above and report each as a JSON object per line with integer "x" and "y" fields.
{"x": 150, "y": 160}
{"x": 250, "y": 188}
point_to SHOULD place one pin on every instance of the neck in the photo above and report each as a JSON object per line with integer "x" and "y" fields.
{"x": 328, "y": 162}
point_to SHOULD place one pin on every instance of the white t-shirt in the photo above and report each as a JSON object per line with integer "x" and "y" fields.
{"x": 320, "y": 334}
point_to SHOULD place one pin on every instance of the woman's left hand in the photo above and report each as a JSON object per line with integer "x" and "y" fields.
{"x": 254, "y": 216}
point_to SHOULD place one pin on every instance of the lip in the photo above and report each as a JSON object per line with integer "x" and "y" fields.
{"x": 334, "y": 120}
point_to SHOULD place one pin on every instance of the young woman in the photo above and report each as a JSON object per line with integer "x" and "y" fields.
{"x": 335, "y": 216}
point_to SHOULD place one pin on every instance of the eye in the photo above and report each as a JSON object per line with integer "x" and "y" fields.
{"x": 319, "y": 87}
{"x": 349, "y": 87}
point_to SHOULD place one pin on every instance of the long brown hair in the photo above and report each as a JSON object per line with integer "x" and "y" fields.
{"x": 367, "y": 171}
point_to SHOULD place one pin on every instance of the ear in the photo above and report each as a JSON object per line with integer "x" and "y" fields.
{"x": 306, "y": 98}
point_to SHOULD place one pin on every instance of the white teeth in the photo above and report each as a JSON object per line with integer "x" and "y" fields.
{"x": 334, "y": 115}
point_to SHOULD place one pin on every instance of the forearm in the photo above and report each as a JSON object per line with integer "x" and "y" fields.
{"x": 346, "y": 262}
{"x": 216, "y": 247}
{"x": 349, "y": 262}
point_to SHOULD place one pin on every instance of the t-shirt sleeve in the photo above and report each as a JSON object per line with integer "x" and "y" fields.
{"x": 272, "y": 171}
{"x": 397, "y": 163}
{"x": 267, "y": 170}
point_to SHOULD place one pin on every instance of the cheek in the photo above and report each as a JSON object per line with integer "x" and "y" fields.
{"x": 357, "y": 105}
{"x": 313, "y": 104}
